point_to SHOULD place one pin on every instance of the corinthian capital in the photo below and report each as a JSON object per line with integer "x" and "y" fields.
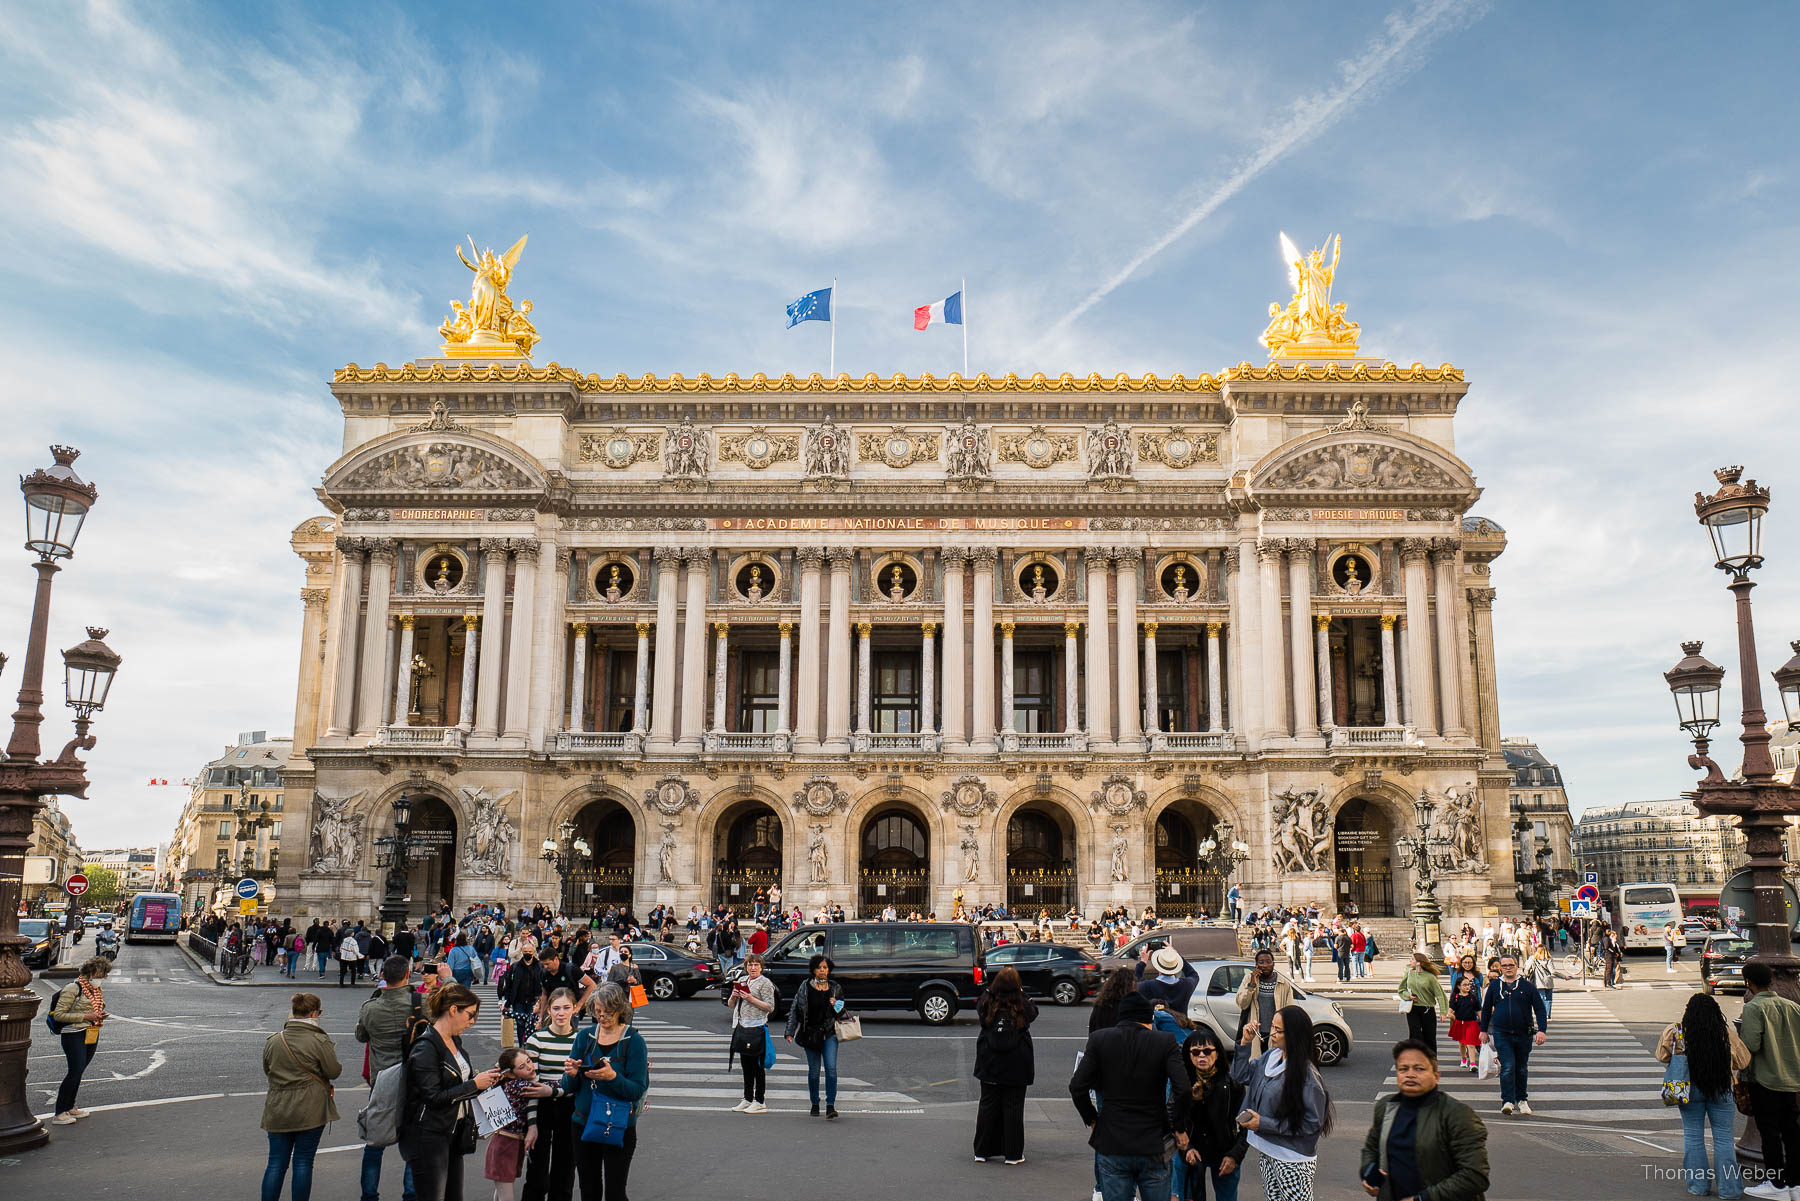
{"x": 1446, "y": 548}
{"x": 1097, "y": 557}
{"x": 495, "y": 546}
{"x": 1270, "y": 550}
{"x": 1128, "y": 557}
{"x": 841, "y": 557}
{"x": 812, "y": 558}
{"x": 382, "y": 550}
{"x": 698, "y": 557}
{"x": 1301, "y": 546}
{"x": 315, "y": 598}
{"x": 668, "y": 557}
{"x": 350, "y": 546}
{"x": 1414, "y": 550}
{"x": 526, "y": 548}
{"x": 565, "y": 559}
{"x": 1231, "y": 559}
{"x": 1481, "y": 598}
{"x": 954, "y": 558}
{"x": 984, "y": 557}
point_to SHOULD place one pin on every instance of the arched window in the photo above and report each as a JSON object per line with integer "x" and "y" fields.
{"x": 1033, "y": 840}
{"x": 895, "y": 840}
{"x": 1177, "y": 846}
{"x": 754, "y": 843}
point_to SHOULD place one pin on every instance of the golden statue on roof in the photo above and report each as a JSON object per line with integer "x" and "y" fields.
{"x": 1311, "y": 327}
{"x": 490, "y": 328}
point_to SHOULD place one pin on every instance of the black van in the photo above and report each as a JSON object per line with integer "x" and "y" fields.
{"x": 934, "y": 968}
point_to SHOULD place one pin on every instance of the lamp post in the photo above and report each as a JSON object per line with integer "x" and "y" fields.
{"x": 56, "y": 503}
{"x": 395, "y": 853}
{"x": 1417, "y": 848}
{"x": 562, "y": 853}
{"x": 248, "y": 820}
{"x": 1227, "y": 851}
{"x": 1762, "y": 804}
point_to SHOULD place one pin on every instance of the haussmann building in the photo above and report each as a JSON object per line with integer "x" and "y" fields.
{"x": 1041, "y": 639}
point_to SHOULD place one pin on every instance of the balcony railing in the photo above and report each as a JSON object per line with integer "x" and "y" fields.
{"x": 1189, "y": 740}
{"x": 923, "y": 743}
{"x": 1044, "y": 742}
{"x": 446, "y": 737}
{"x": 1355, "y": 736}
{"x": 733, "y": 742}
{"x": 599, "y": 741}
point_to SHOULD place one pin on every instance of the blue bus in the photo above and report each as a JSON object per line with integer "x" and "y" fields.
{"x": 155, "y": 917}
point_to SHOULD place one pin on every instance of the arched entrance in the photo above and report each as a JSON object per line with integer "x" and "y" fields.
{"x": 1362, "y": 841}
{"x": 895, "y": 867}
{"x": 1186, "y": 884}
{"x": 1040, "y": 861}
{"x": 746, "y": 855}
{"x": 431, "y": 876}
{"x": 607, "y": 877}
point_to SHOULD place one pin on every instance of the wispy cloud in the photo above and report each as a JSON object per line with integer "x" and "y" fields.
{"x": 1389, "y": 58}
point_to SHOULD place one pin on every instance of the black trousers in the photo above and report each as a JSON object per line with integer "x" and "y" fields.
{"x": 1778, "y": 1118}
{"x": 79, "y": 1052}
{"x": 437, "y": 1170}
{"x": 550, "y": 1165}
{"x": 1421, "y": 1023}
{"x": 352, "y": 967}
{"x": 601, "y": 1169}
{"x": 1000, "y": 1121}
{"x": 756, "y": 1077}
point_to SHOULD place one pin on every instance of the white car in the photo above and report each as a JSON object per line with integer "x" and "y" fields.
{"x": 1215, "y": 1005}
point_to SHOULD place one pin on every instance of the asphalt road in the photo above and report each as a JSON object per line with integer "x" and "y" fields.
{"x": 175, "y": 1092}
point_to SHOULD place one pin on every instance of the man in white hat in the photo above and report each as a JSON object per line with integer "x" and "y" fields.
{"x": 1174, "y": 981}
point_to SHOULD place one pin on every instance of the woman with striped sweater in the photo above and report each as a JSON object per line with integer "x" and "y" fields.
{"x": 549, "y": 1146}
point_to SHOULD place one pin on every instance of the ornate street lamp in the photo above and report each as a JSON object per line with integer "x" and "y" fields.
{"x": 249, "y": 819}
{"x": 1417, "y": 849}
{"x": 57, "y": 502}
{"x": 396, "y": 854}
{"x": 1227, "y": 851}
{"x": 1762, "y": 804}
{"x": 562, "y": 853}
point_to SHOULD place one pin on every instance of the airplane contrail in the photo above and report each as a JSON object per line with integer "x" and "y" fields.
{"x": 1391, "y": 57}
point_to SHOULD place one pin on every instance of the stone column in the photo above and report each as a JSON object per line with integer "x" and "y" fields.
{"x": 578, "y": 679}
{"x": 1300, "y": 589}
{"x": 1130, "y": 700}
{"x": 465, "y": 719}
{"x": 640, "y": 697}
{"x": 837, "y": 653}
{"x": 1214, "y": 701}
{"x": 307, "y": 712}
{"x": 493, "y": 616}
{"x": 927, "y": 676}
{"x": 1390, "y": 691}
{"x": 1322, "y": 649}
{"x": 1152, "y": 694}
{"x": 1008, "y": 723}
{"x": 1071, "y": 677}
{"x": 1417, "y": 699}
{"x": 693, "y": 651}
{"x": 1244, "y": 628}
{"x": 806, "y": 717}
{"x": 982, "y": 651}
{"x": 519, "y": 650}
{"x": 865, "y": 684}
{"x": 546, "y": 681}
{"x": 1481, "y": 612}
{"x": 1444, "y": 553}
{"x": 371, "y": 687}
{"x": 403, "y": 686}
{"x": 343, "y": 684}
{"x": 1274, "y": 665}
{"x": 1099, "y": 657}
{"x": 784, "y": 683}
{"x": 956, "y": 650}
{"x": 662, "y": 696}
{"x": 721, "y": 632}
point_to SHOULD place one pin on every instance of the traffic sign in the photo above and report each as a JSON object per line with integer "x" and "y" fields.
{"x": 1590, "y": 877}
{"x": 1588, "y": 893}
{"x": 1581, "y": 908}
{"x": 246, "y": 905}
{"x": 76, "y": 884}
{"x": 248, "y": 889}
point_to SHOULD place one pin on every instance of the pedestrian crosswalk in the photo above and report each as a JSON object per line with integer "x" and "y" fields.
{"x": 1590, "y": 1069}
{"x": 690, "y": 1069}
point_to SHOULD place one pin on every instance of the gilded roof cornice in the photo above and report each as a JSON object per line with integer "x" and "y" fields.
{"x": 552, "y": 373}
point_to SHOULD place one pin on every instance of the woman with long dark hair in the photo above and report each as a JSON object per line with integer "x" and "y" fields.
{"x": 1120, "y": 983}
{"x": 1702, "y": 1051}
{"x": 1207, "y": 1138}
{"x": 1005, "y": 1065}
{"x": 438, "y": 1129}
{"x": 812, "y": 1023}
{"x": 1285, "y": 1102}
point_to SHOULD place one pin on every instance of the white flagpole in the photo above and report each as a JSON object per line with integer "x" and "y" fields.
{"x": 965, "y": 325}
{"x": 834, "y": 313}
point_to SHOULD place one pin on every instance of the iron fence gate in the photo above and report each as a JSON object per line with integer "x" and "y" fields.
{"x": 591, "y": 889}
{"x": 736, "y": 888}
{"x": 1184, "y": 892}
{"x": 1031, "y": 891}
{"x": 1371, "y": 889}
{"x": 906, "y": 891}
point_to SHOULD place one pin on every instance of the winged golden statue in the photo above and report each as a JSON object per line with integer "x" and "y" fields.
{"x": 1311, "y": 326}
{"x": 490, "y": 327}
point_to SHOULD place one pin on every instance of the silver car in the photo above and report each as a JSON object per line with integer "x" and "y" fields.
{"x": 1215, "y": 1005}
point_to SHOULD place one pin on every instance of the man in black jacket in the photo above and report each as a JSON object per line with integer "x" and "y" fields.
{"x": 1131, "y": 1066}
{"x": 519, "y": 994}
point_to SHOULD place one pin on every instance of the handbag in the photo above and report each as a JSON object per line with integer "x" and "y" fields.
{"x": 1675, "y": 1085}
{"x": 1740, "y": 1097}
{"x": 1487, "y": 1063}
{"x": 606, "y": 1121}
{"x": 849, "y": 1029}
{"x": 639, "y": 998}
{"x": 1403, "y": 1004}
{"x": 768, "y": 1050}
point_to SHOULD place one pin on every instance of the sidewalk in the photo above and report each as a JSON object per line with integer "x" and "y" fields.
{"x": 266, "y": 975}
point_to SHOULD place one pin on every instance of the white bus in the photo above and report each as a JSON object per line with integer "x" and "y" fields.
{"x": 1641, "y": 910}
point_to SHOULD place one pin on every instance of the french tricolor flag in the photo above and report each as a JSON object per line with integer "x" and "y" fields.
{"x": 947, "y": 311}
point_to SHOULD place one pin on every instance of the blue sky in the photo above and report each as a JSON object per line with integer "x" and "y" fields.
{"x": 1589, "y": 208}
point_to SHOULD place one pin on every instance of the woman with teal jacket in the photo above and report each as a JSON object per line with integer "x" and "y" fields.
{"x": 610, "y": 1060}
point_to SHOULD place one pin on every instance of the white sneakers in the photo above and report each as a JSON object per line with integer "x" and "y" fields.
{"x": 1765, "y": 1190}
{"x": 1097, "y": 1196}
{"x": 740, "y": 1107}
{"x": 1507, "y": 1108}
{"x": 78, "y": 1113}
{"x": 756, "y": 1107}
{"x": 63, "y": 1119}
{"x": 1525, "y": 1108}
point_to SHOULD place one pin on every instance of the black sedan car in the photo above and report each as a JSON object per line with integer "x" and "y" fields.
{"x": 46, "y": 941}
{"x": 669, "y": 973}
{"x": 1722, "y": 962}
{"x": 1066, "y": 975}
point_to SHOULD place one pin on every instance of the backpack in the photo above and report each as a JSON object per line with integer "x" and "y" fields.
{"x": 1004, "y": 1035}
{"x": 57, "y": 1027}
{"x": 378, "y": 1125}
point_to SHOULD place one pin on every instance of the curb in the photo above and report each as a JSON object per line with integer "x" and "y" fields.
{"x": 212, "y": 973}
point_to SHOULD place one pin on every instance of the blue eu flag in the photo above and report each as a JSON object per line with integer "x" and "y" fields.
{"x": 814, "y": 306}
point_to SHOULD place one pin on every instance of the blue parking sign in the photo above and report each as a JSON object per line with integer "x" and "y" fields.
{"x": 247, "y": 888}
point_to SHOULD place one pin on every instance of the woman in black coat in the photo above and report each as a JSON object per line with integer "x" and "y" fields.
{"x": 437, "y": 1129}
{"x": 1208, "y": 1139}
{"x": 1006, "y": 1067}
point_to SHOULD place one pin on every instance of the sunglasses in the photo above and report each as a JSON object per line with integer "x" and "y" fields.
{"x": 1204, "y": 1051}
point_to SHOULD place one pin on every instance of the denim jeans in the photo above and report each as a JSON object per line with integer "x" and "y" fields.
{"x": 322, "y": 957}
{"x": 1669, "y": 956}
{"x": 1514, "y": 1049}
{"x": 1722, "y": 1113}
{"x": 299, "y": 1146}
{"x": 79, "y": 1052}
{"x": 1356, "y": 962}
{"x": 1124, "y": 1176}
{"x": 371, "y": 1176}
{"x": 1188, "y": 1181}
{"x": 826, "y": 1057}
{"x": 1549, "y": 995}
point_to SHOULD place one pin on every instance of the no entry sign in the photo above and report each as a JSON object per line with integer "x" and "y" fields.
{"x": 76, "y": 885}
